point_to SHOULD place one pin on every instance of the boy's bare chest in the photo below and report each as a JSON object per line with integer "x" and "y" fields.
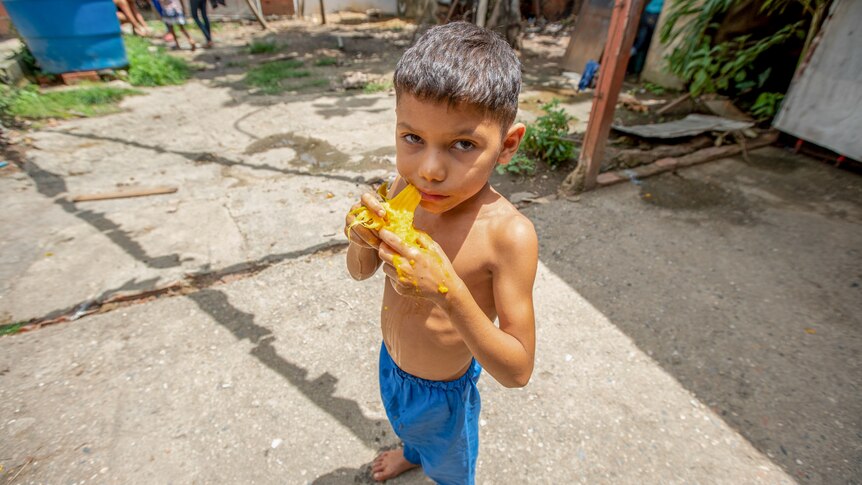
{"x": 469, "y": 250}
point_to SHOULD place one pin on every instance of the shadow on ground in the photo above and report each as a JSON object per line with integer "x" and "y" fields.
{"x": 744, "y": 282}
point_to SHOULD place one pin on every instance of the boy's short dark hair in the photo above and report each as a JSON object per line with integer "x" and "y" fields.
{"x": 462, "y": 63}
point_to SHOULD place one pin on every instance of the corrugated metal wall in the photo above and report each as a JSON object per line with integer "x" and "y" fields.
{"x": 824, "y": 102}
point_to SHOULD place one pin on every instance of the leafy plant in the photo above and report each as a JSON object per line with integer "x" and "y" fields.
{"x": 728, "y": 67}
{"x": 30, "y": 102}
{"x": 11, "y": 328}
{"x": 326, "y": 61}
{"x": 520, "y": 164}
{"x": 377, "y": 87}
{"x": 766, "y": 106}
{"x": 543, "y": 141}
{"x": 654, "y": 88}
{"x": 262, "y": 47}
{"x": 268, "y": 77}
{"x": 150, "y": 65}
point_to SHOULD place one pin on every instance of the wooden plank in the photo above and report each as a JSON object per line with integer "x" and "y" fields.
{"x": 588, "y": 35}
{"x": 121, "y": 194}
{"x": 621, "y": 36}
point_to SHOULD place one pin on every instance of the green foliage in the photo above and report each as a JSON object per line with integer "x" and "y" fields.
{"x": 31, "y": 103}
{"x": 377, "y": 87}
{"x": 654, "y": 88}
{"x": 152, "y": 66}
{"x": 543, "y": 141}
{"x": 728, "y": 67}
{"x": 269, "y": 77}
{"x": 10, "y": 329}
{"x": 262, "y": 47}
{"x": 520, "y": 164}
{"x": 766, "y": 106}
{"x": 27, "y": 60}
{"x": 326, "y": 61}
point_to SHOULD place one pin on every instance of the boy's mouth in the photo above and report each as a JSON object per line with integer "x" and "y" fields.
{"x": 432, "y": 197}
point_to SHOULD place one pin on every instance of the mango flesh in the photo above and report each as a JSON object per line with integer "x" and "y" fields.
{"x": 398, "y": 220}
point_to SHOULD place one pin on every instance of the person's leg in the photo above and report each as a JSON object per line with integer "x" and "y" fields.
{"x": 173, "y": 35}
{"x": 197, "y": 6}
{"x": 188, "y": 37}
{"x": 123, "y": 6}
{"x": 391, "y": 463}
{"x": 209, "y": 32}
{"x": 133, "y": 7}
{"x": 203, "y": 21}
{"x": 437, "y": 421}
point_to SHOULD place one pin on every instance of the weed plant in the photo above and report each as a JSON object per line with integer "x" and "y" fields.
{"x": 91, "y": 100}
{"x": 151, "y": 66}
{"x": 268, "y": 77}
{"x": 543, "y": 141}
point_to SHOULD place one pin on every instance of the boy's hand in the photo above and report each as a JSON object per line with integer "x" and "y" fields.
{"x": 427, "y": 274}
{"x": 359, "y": 234}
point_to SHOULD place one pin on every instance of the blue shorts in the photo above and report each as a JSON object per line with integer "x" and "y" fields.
{"x": 438, "y": 421}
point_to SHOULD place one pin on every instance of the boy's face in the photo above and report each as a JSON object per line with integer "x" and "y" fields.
{"x": 448, "y": 153}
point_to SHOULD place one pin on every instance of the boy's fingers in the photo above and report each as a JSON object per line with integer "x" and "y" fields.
{"x": 370, "y": 200}
{"x": 398, "y": 245}
{"x": 392, "y": 273}
{"x": 393, "y": 241}
{"x": 385, "y": 253}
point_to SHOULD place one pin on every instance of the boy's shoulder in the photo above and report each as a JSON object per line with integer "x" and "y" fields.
{"x": 510, "y": 232}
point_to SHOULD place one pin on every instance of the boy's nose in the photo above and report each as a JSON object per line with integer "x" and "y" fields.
{"x": 433, "y": 168}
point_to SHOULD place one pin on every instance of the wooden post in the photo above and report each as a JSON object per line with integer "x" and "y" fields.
{"x": 621, "y": 36}
{"x": 257, "y": 14}
{"x": 482, "y": 13}
{"x": 322, "y": 13}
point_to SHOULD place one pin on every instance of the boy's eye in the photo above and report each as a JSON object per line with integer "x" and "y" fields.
{"x": 464, "y": 145}
{"x": 411, "y": 138}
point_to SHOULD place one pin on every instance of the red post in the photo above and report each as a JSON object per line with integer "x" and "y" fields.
{"x": 621, "y": 34}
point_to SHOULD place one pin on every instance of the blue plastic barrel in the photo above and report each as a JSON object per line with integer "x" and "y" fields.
{"x": 70, "y": 35}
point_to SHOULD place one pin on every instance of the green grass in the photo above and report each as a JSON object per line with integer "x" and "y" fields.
{"x": 152, "y": 66}
{"x": 326, "y": 61}
{"x": 377, "y": 87}
{"x": 269, "y": 77}
{"x": 654, "y": 88}
{"x": 11, "y": 328}
{"x": 262, "y": 47}
{"x": 90, "y": 100}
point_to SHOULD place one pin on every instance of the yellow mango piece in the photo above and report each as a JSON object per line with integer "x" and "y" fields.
{"x": 399, "y": 216}
{"x": 399, "y": 220}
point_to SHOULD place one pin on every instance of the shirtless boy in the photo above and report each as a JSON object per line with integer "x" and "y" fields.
{"x": 457, "y": 96}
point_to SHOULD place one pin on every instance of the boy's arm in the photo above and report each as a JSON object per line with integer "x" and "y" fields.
{"x": 362, "y": 261}
{"x": 506, "y": 352}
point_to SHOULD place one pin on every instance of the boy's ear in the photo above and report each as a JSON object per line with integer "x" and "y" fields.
{"x": 511, "y": 142}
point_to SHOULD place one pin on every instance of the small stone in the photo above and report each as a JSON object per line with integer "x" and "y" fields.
{"x": 276, "y": 443}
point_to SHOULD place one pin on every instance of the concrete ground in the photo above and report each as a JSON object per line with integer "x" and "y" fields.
{"x": 700, "y": 327}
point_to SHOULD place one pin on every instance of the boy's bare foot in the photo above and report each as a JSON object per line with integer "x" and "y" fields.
{"x": 194, "y": 47}
{"x": 390, "y": 464}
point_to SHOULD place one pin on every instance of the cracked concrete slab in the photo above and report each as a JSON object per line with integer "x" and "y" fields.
{"x": 230, "y": 207}
{"x": 272, "y": 379}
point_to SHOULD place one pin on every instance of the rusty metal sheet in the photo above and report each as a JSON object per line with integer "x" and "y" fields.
{"x": 691, "y": 125}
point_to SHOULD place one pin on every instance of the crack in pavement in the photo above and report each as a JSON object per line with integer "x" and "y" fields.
{"x": 116, "y": 298}
{"x": 208, "y": 157}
